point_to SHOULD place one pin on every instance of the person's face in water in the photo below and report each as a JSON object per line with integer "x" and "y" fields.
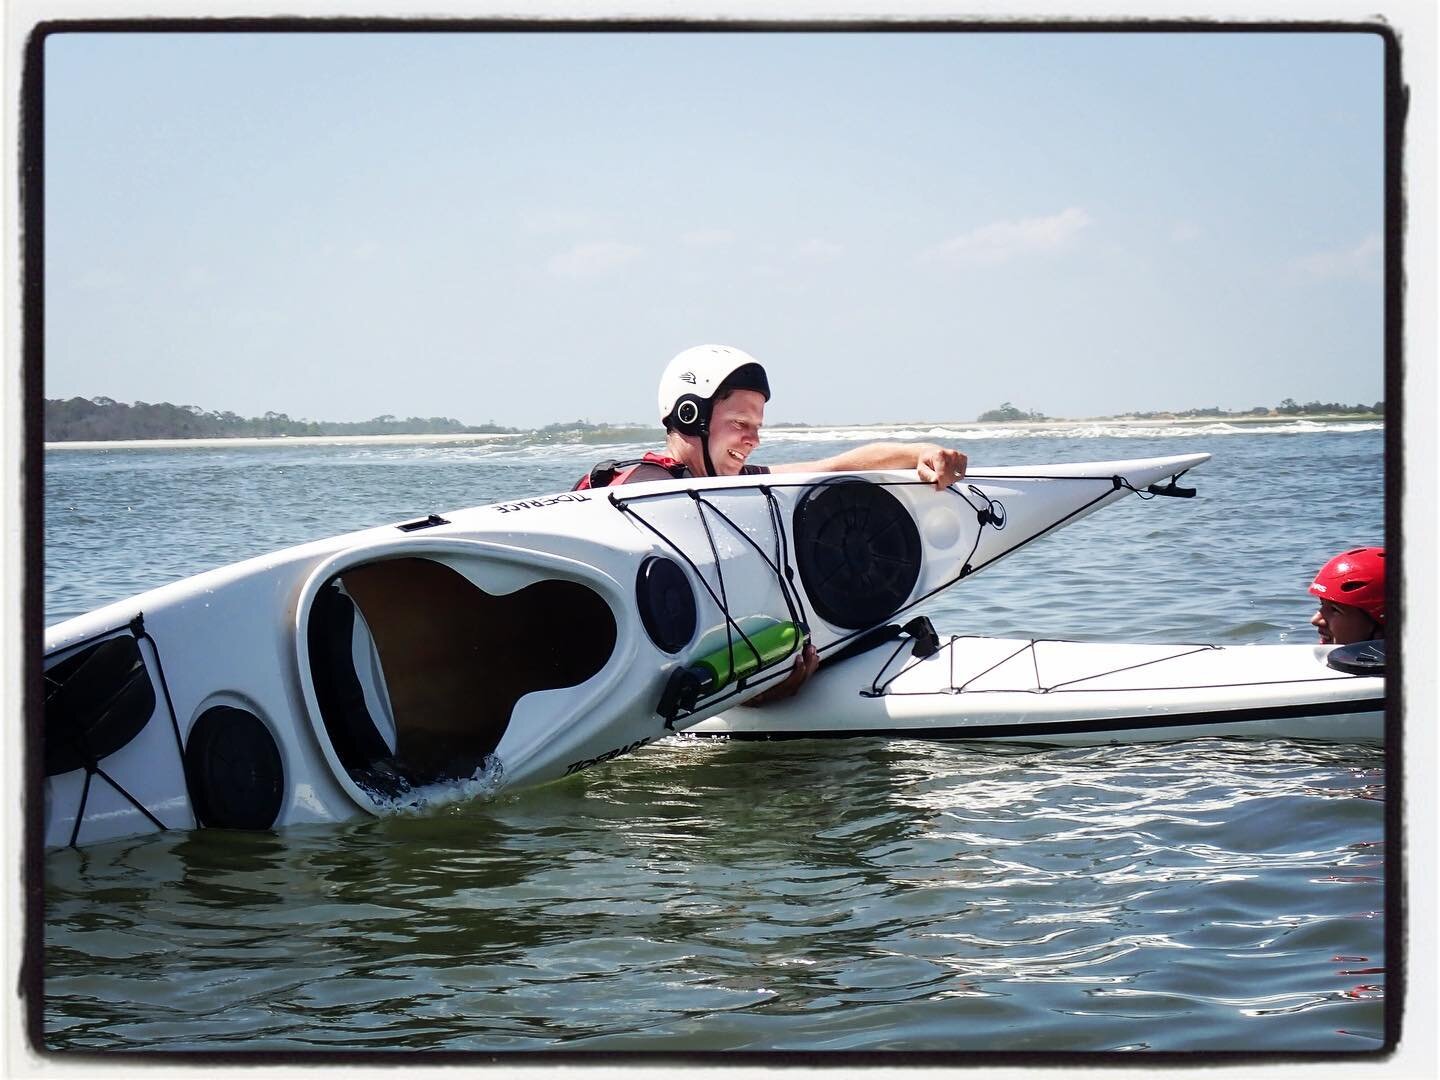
{"x": 1341, "y": 624}
{"x": 735, "y": 424}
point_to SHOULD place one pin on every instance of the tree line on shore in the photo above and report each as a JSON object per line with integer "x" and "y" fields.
{"x": 100, "y": 419}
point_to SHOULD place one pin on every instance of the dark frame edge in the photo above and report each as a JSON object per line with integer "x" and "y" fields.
{"x": 31, "y": 251}
{"x": 1397, "y": 108}
{"x": 31, "y": 217}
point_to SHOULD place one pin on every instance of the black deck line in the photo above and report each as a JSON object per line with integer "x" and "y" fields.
{"x": 1199, "y": 721}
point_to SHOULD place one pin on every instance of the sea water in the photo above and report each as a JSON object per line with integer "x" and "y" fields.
{"x": 848, "y": 895}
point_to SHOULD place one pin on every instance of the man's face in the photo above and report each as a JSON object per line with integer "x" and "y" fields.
{"x": 1341, "y": 624}
{"x": 735, "y": 426}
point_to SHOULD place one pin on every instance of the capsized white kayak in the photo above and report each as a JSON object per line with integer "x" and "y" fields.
{"x": 505, "y": 645}
{"x": 1073, "y": 693}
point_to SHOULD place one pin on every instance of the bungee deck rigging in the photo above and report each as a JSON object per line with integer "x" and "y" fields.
{"x": 879, "y": 688}
{"x": 96, "y": 704}
{"x": 685, "y": 686}
{"x": 685, "y": 691}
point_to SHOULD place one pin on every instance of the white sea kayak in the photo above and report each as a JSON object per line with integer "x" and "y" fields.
{"x": 508, "y": 644}
{"x": 1073, "y": 693}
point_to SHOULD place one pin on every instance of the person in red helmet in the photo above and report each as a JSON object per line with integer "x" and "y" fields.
{"x": 1351, "y": 588}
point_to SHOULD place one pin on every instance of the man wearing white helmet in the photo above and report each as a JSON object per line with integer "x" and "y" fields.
{"x": 712, "y": 403}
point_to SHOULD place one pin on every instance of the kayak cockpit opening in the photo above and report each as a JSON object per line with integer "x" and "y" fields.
{"x": 417, "y": 670}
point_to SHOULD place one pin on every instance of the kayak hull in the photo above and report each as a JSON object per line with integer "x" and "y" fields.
{"x": 1069, "y": 693}
{"x": 500, "y": 646}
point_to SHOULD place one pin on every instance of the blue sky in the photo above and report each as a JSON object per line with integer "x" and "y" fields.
{"x": 525, "y": 227}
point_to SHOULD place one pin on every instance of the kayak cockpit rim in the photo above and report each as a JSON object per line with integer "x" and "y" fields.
{"x": 456, "y": 632}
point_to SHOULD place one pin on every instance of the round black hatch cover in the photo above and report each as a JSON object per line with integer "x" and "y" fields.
{"x": 858, "y": 552}
{"x": 1361, "y": 658}
{"x": 234, "y": 770}
{"x": 667, "y": 603}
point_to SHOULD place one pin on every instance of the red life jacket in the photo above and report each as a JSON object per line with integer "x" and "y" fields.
{"x": 610, "y": 473}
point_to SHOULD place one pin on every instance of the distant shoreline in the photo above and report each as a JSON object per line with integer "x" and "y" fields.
{"x": 460, "y": 437}
{"x": 272, "y": 440}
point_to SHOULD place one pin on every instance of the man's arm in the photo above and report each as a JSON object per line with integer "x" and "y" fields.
{"x": 935, "y": 464}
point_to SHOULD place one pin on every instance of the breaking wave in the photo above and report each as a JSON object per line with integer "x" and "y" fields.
{"x": 542, "y": 446}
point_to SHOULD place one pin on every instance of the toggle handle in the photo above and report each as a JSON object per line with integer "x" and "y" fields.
{"x": 1171, "y": 490}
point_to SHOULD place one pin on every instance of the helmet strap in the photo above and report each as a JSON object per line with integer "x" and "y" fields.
{"x": 704, "y": 435}
{"x": 691, "y": 417}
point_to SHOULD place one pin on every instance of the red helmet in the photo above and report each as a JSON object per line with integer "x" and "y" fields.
{"x": 1357, "y": 579}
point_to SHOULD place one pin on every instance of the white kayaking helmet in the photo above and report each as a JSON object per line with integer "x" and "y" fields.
{"x": 692, "y": 380}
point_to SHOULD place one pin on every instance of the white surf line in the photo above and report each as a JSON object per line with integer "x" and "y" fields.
{"x": 912, "y": 429}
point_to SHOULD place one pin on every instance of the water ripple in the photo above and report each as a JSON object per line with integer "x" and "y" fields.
{"x": 858, "y": 895}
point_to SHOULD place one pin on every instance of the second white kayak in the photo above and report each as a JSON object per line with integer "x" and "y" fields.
{"x": 1070, "y": 693}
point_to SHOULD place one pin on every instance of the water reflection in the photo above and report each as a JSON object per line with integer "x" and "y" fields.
{"x": 710, "y": 895}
